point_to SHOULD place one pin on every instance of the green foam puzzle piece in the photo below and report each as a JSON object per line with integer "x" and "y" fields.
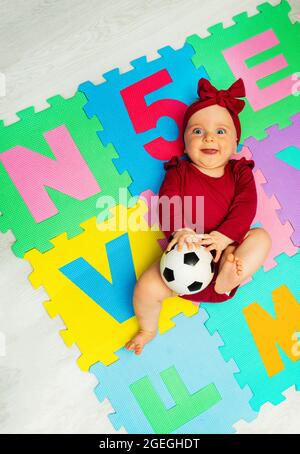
{"x": 208, "y": 52}
{"x": 28, "y": 132}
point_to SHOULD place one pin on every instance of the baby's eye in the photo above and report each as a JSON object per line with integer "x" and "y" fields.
{"x": 198, "y": 129}
{"x": 221, "y": 131}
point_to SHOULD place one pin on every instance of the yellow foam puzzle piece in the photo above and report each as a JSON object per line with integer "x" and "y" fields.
{"x": 97, "y": 334}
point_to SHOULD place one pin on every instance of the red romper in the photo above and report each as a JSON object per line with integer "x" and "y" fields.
{"x": 230, "y": 204}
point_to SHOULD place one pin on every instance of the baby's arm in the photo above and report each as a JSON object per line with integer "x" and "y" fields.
{"x": 242, "y": 209}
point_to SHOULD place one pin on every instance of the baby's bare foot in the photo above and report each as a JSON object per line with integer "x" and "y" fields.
{"x": 230, "y": 274}
{"x": 139, "y": 340}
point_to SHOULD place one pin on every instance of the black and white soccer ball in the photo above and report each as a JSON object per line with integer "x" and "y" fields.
{"x": 187, "y": 272}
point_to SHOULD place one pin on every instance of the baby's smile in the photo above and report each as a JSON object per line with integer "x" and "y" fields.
{"x": 209, "y": 150}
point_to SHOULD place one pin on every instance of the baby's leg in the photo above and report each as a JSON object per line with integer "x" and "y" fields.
{"x": 148, "y": 295}
{"x": 237, "y": 264}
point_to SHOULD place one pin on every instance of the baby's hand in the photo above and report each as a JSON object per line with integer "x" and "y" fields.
{"x": 216, "y": 240}
{"x": 186, "y": 236}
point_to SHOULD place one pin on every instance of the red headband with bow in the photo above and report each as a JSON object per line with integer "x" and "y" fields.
{"x": 210, "y": 95}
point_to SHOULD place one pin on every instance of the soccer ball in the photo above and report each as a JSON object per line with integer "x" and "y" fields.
{"x": 187, "y": 272}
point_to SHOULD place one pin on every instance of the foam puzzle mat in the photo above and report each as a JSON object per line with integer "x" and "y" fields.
{"x": 63, "y": 169}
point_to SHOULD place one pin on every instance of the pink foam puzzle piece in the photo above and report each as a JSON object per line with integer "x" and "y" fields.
{"x": 150, "y": 198}
{"x": 151, "y": 217}
{"x": 266, "y": 214}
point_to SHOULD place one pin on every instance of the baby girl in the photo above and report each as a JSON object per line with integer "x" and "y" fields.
{"x": 211, "y": 133}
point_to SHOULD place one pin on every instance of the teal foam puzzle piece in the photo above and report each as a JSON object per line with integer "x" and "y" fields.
{"x": 239, "y": 344}
{"x": 183, "y": 371}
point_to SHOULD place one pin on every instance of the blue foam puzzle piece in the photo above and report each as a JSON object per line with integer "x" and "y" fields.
{"x": 229, "y": 321}
{"x": 117, "y": 126}
{"x": 194, "y": 353}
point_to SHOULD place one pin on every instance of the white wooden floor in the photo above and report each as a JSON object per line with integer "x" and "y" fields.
{"x": 48, "y": 47}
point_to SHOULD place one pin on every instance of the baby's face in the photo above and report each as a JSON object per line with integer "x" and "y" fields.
{"x": 213, "y": 128}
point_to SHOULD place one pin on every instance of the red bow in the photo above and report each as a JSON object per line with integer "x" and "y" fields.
{"x": 225, "y": 98}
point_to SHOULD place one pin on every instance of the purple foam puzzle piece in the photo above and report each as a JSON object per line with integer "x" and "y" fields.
{"x": 283, "y": 180}
{"x": 267, "y": 217}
